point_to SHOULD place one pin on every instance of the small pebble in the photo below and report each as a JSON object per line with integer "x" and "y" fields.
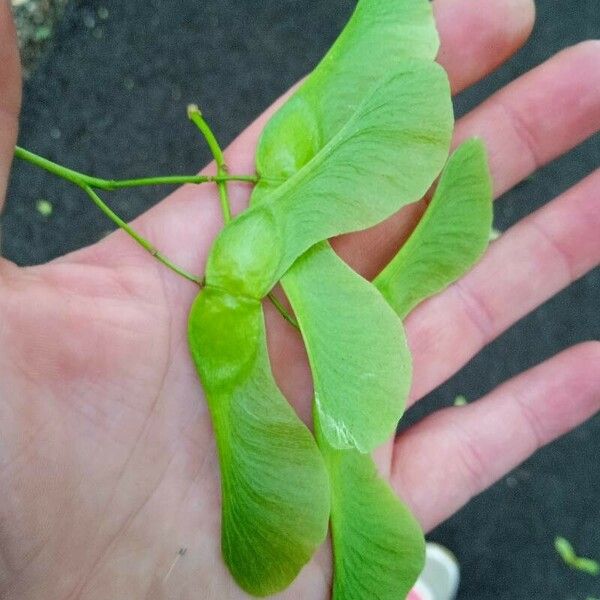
{"x": 89, "y": 21}
{"x": 176, "y": 93}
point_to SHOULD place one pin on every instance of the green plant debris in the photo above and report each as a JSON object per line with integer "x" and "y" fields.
{"x": 567, "y": 553}
{"x": 494, "y": 234}
{"x": 43, "y": 33}
{"x": 460, "y": 401}
{"x": 44, "y": 208}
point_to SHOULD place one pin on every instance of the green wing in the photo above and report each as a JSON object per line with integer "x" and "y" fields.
{"x": 356, "y": 347}
{"x": 275, "y": 489}
{"x": 378, "y": 546}
{"x": 386, "y": 156}
{"x": 452, "y": 235}
{"x": 378, "y": 37}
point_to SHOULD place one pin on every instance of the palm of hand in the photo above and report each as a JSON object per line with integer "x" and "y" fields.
{"x": 109, "y": 450}
{"x": 108, "y": 471}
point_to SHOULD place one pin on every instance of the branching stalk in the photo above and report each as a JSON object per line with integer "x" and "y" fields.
{"x": 144, "y": 243}
{"x": 89, "y": 184}
{"x": 111, "y": 185}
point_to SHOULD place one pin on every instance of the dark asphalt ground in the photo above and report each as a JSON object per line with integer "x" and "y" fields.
{"x": 109, "y": 99}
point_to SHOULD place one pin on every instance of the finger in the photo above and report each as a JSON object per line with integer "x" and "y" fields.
{"x": 10, "y": 94}
{"x": 540, "y": 116}
{"x": 475, "y": 42}
{"x": 530, "y": 263}
{"x": 454, "y": 454}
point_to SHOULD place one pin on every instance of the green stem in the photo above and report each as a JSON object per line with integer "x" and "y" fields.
{"x": 144, "y": 243}
{"x": 196, "y": 117}
{"x": 282, "y": 310}
{"x": 110, "y": 185}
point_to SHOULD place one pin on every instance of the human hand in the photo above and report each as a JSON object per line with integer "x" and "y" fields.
{"x": 108, "y": 466}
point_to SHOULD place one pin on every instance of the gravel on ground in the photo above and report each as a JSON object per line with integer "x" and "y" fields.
{"x": 35, "y": 20}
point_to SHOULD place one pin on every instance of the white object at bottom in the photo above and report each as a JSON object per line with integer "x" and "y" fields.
{"x": 440, "y": 577}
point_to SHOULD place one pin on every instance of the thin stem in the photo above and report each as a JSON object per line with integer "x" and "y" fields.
{"x": 110, "y": 185}
{"x": 196, "y": 117}
{"x": 144, "y": 243}
{"x": 175, "y": 180}
{"x": 282, "y": 310}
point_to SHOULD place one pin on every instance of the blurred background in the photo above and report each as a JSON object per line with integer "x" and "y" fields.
{"x": 107, "y": 86}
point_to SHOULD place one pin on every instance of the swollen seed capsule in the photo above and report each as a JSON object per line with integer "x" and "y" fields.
{"x": 222, "y": 333}
{"x": 246, "y": 255}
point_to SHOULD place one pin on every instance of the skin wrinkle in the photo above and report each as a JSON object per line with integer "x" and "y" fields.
{"x": 143, "y": 430}
{"x": 572, "y": 78}
{"x": 52, "y": 533}
{"x": 531, "y": 419}
{"x": 150, "y": 582}
{"x": 56, "y": 531}
{"x": 100, "y": 282}
{"x": 30, "y": 553}
{"x": 200, "y": 474}
{"x": 556, "y": 249}
{"x": 24, "y": 449}
{"x": 469, "y": 457}
{"x": 524, "y": 134}
{"x": 80, "y": 588}
{"x": 475, "y": 310}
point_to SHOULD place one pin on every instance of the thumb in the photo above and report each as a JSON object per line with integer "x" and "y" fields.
{"x": 10, "y": 94}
